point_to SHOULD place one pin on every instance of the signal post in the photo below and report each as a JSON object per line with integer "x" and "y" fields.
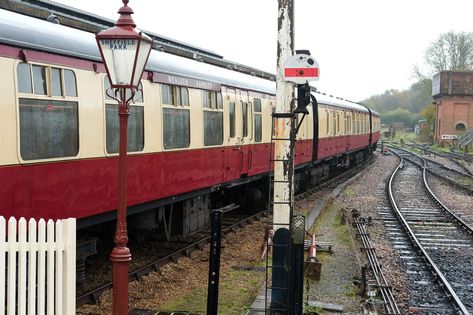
{"x": 286, "y": 288}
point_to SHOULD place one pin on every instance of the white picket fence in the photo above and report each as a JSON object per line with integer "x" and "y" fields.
{"x": 37, "y": 267}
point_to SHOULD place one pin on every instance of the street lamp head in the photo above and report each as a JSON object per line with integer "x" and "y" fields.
{"x": 124, "y": 50}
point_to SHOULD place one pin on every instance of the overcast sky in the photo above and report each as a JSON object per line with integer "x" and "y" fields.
{"x": 363, "y": 47}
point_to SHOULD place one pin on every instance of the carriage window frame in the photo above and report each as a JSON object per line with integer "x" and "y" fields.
{"x": 232, "y": 119}
{"x": 49, "y": 128}
{"x": 213, "y": 125}
{"x": 258, "y": 119}
{"x": 49, "y": 110}
{"x": 327, "y": 119}
{"x": 245, "y": 113}
{"x": 175, "y": 96}
{"x": 338, "y": 122}
{"x": 170, "y": 140}
{"x": 42, "y": 80}
{"x": 176, "y": 126}
{"x": 136, "y": 121}
{"x": 334, "y": 121}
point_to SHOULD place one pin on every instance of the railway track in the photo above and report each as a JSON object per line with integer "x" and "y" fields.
{"x": 230, "y": 224}
{"x": 459, "y": 178}
{"x": 390, "y": 304}
{"x": 434, "y": 244}
{"x": 457, "y": 159}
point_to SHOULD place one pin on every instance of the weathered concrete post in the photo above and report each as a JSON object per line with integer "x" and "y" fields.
{"x": 283, "y": 165}
{"x": 284, "y": 96}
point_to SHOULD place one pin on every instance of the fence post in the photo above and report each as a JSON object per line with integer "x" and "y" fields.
{"x": 50, "y": 268}
{"x": 22, "y": 249}
{"x": 42, "y": 267}
{"x": 58, "y": 267}
{"x": 33, "y": 248}
{"x": 11, "y": 303}
{"x": 3, "y": 250}
{"x": 69, "y": 265}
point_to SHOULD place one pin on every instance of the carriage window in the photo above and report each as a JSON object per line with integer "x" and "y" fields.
{"x": 32, "y": 79}
{"x": 174, "y": 95}
{"x": 327, "y": 120}
{"x": 48, "y": 129}
{"x": 206, "y": 99}
{"x": 70, "y": 83}
{"x": 176, "y": 125}
{"x": 135, "y": 128}
{"x": 338, "y": 122}
{"x": 212, "y": 99}
{"x": 39, "y": 80}
{"x": 135, "y": 121}
{"x": 219, "y": 101}
{"x": 258, "y": 120}
{"x": 24, "y": 78}
{"x": 56, "y": 82}
{"x": 334, "y": 122}
{"x": 348, "y": 131}
{"x": 231, "y": 113}
{"x": 244, "y": 111}
{"x": 213, "y": 118}
{"x": 213, "y": 128}
{"x": 184, "y": 99}
{"x": 166, "y": 94}
{"x": 345, "y": 122}
{"x": 257, "y": 105}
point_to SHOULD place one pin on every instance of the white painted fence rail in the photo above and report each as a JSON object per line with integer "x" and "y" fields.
{"x": 37, "y": 267}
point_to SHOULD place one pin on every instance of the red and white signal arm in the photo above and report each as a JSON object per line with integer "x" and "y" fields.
{"x": 300, "y": 69}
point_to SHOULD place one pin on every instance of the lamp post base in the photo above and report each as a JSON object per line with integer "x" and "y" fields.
{"x": 120, "y": 257}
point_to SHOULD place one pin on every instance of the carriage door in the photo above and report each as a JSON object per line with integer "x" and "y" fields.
{"x": 232, "y": 142}
{"x": 245, "y": 120}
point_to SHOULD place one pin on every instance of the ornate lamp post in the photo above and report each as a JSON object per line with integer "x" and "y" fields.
{"x": 124, "y": 53}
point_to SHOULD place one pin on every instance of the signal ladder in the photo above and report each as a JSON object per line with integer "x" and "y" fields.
{"x": 280, "y": 260}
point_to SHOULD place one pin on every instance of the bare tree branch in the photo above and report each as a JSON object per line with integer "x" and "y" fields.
{"x": 452, "y": 51}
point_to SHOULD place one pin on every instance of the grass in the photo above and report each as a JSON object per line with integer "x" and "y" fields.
{"x": 312, "y": 310}
{"x": 349, "y": 192}
{"x": 405, "y": 136}
{"x": 236, "y": 293}
{"x": 342, "y": 230}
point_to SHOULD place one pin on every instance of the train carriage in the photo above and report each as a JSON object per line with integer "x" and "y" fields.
{"x": 198, "y": 133}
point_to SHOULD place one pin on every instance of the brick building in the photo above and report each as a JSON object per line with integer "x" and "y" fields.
{"x": 453, "y": 95}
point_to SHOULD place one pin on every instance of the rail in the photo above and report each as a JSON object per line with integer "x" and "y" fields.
{"x": 386, "y": 290}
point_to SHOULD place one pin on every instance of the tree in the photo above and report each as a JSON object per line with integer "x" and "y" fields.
{"x": 400, "y": 115}
{"x": 452, "y": 51}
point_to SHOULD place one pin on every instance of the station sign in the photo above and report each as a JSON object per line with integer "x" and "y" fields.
{"x": 300, "y": 69}
{"x": 449, "y": 137}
